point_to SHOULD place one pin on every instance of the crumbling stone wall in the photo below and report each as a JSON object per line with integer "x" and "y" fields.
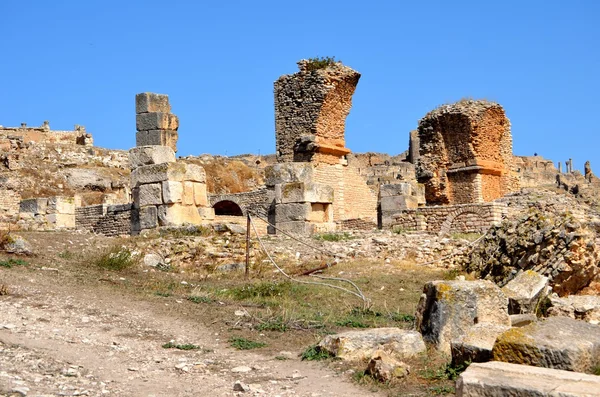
{"x": 18, "y": 137}
{"x": 465, "y": 153}
{"x": 534, "y": 171}
{"x": 460, "y": 218}
{"x": 109, "y": 220}
{"x": 311, "y": 107}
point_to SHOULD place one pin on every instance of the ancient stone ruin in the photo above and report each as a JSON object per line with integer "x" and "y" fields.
{"x": 155, "y": 123}
{"x": 465, "y": 153}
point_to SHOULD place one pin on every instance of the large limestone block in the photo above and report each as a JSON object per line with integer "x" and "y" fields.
{"x": 288, "y": 172}
{"x": 476, "y": 345}
{"x": 200, "y": 194}
{"x": 157, "y": 138}
{"x": 557, "y": 342}
{"x": 396, "y": 189}
{"x": 147, "y": 218}
{"x": 497, "y": 379}
{"x": 448, "y": 309}
{"x": 61, "y": 205}
{"x": 206, "y": 213}
{"x": 61, "y": 221}
{"x": 150, "y": 194}
{"x": 147, "y": 102}
{"x": 299, "y": 192}
{"x": 177, "y": 214}
{"x": 188, "y": 193}
{"x": 582, "y": 307}
{"x": 156, "y": 121}
{"x": 34, "y": 206}
{"x": 525, "y": 291}
{"x": 393, "y": 204}
{"x": 292, "y": 212}
{"x": 172, "y": 192}
{"x": 148, "y": 155}
{"x": 365, "y": 344}
{"x": 301, "y": 228}
{"x": 177, "y": 172}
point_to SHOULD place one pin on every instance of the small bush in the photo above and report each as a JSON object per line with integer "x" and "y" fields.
{"x": 117, "y": 259}
{"x": 402, "y": 317}
{"x": 245, "y": 344}
{"x": 186, "y": 346}
{"x": 352, "y": 323}
{"x": 261, "y": 290}
{"x": 333, "y": 236}
{"x": 199, "y": 299}
{"x": 274, "y": 324}
{"x": 13, "y": 262}
{"x": 315, "y": 353}
{"x": 595, "y": 370}
{"x": 320, "y": 63}
{"x": 399, "y": 230}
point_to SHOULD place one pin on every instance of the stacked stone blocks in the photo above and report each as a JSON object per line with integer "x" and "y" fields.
{"x": 47, "y": 213}
{"x": 155, "y": 123}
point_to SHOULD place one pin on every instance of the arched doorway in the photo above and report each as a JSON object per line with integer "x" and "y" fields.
{"x": 227, "y": 207}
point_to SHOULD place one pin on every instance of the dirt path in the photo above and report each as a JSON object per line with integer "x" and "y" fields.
{"x": 60, "y": 339}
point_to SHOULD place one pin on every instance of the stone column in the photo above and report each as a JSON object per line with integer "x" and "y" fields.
{"x": 155, "y": 123}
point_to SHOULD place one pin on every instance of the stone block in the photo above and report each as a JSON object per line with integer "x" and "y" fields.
{"x": 300, "y": 192}
{"x": 200, "y": 196}
{"x": 34, "y": 205}
{"x": 188, "y": 193}
{"x": 147, "y": 218}
{"x": 495, "y": 379}
{"x": 365, "y": 344}
{"x": 385, "y": 368}
{"x": 582, "y": 307}
{"x": 150, "y": 194}
{"x": 61, "y": 205}
{"x": 61, "y": 221}
{"x": 448, "y": 309}
{"x": 176, "y": 172}
{"x": 157, "y": 138}
{"x": 556, "y": 342}
{"x": 476, "y": 344}
{"x": 148, "y": 155}
{"x": 525, "y": 291}
{"x": 206, "y": 213}
{"x": 394, "y": 204}
{"x": 172, "y": 192}
{"x": 156, "y": 121}
{"x": 296, "y": 227}
{"x": 288, "y": 172}
{"x": 292, "y": 212}
{"x": 148, "y": 102}
{"x": 396, "y": 189}
{"x": 177, "y": 214}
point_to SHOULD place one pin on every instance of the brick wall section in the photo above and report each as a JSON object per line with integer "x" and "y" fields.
{"x": 353, "y": 199}
{"x": 460, "y": 218}
{"x": 109, "y": 220}
{"x": 257, "y": 201}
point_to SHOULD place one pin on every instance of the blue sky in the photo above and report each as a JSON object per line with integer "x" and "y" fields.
{"x": 82, "y": 62}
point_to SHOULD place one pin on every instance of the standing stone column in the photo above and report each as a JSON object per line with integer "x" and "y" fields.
{"x": 588, "y": 171}
{"x": 155, "y": 123}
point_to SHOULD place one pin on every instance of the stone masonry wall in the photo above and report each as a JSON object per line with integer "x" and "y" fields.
{"x": 155, "y": 124}
{"x": 14, "y": 136}
{"x": 109, "y": 220}
{"x": 257, "y": 201}
{"x": 311, "y": 107}
{"x": 51, "y": 213}
{"x": 461, "y": 218}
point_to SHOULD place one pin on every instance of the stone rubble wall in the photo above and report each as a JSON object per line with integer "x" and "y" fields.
{"x": 109, "y": 220}
{"x": 460, "y": 218}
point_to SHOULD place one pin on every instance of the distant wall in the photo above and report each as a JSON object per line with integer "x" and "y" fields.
{"x": 109, "y": 220}
{"x": 13, "y": 136}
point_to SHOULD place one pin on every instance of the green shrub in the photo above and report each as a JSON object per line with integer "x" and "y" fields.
{"x": 261, "y": 290}
{"x": 273, "y": 324}
{"x": 333, "y": 236}
{"x": 13, "y": 262}
{"x": 199, "y": 299}
{"x": 315, "y": 353}
{"x": 116, "y": 259}
{"x": 245, "y": 344}
{"x": 320, "y": 63}
{"x": 186, "y": 346}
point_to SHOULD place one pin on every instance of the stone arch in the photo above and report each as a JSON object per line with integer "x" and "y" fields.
{"x": 228, "y": 207}
{"x": 469, "y": 214}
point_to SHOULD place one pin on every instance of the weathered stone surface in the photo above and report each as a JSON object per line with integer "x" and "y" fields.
{"x": 557, "y": 342}
{"x": 521, "y": 320}
{"x": 17, "y": 245}
{"x": 299, "y": 192}
{"x": 393, "y": 204}
{"x": 177, "y": 172}
{"x": 385, "y": 368}
{"x": 148, "y": 155}
{"x": 157, "y": 138}
{"x": 177, "y": 214}
{"x": 150, "y": 194}
{"x": 156, "y": 121}
{"x": 296, "y": 227}
{"x": 188, "y": 193}
{"x": 206, "y": 213}
{"x": 497, "y": 379}
{"x": 200, "y": 195}
{"x": 61, "y": 205}
{"x": 34, "y": 205}
{"x": 476, "y": 345}
{"x": 147, "y": 218}
{"x": 525, "y": 291}
{"x": 448, "y": 309}
{"x": 582, "y": 307}
{"x": 361, "y": 345}
{"x": 292, "y": 212}
{"x": 147, "y": 102}
{"x": 62, "y": 221}
{"x": 288, "y": 172}
{"x": 172, "y": 192}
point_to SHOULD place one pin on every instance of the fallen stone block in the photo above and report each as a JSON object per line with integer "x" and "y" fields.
{"x": 582, "y": 307}
{"x": 148, "y": 155}
{"x": 476, "y": 345}
{"x": 498, "y": 379}
{"x": 525, "y": 291}
{"x": 385, "y": 368}
{"x": 521, "y": 320}
{"x": 448, "y": 309}
{"x": 156, "y": 121}
{"x": 556, "y": 342}
{"x": 365, "y": 344}
{"x": 148, "y": 102}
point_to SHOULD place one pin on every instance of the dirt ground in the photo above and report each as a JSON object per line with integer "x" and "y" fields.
{"x": 67, "y": 332}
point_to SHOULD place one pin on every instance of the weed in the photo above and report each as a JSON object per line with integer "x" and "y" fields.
{"x": 451, "y": 274}
{"x": 116, "y": 259}
{"x": 595, "y": 370}
{"x": 402, "y": 317}
{"x": 245, "y": 344}
{"x": 273, "y": 324}
{"x": 186, "y": 346}
{"x": 163, "y": 294}
{"x": 315, "y": 353}
{"x": 317, "y": 63}
{"x": 437, "y": 390}
{"x": 199, "y": 299}
{"x": 13, "y": 262}
{"x": 352, "y": 323}
{"x": 281, "y": 358}
{"x": 67, "y": 255}
{"x": 399, "y": 230}
{"x": 260, "y": 290}
{"x": 446, "y": 371}
{"x": 333, "y": 236}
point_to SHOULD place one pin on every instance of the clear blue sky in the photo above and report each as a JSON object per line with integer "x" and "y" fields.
{"x": 82, "y": 62}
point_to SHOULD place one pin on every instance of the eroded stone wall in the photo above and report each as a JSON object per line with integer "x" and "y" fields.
{"x": 460, "y": 141}
{"x": 311, "y": 107}
{"x": 16, "y": 137}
